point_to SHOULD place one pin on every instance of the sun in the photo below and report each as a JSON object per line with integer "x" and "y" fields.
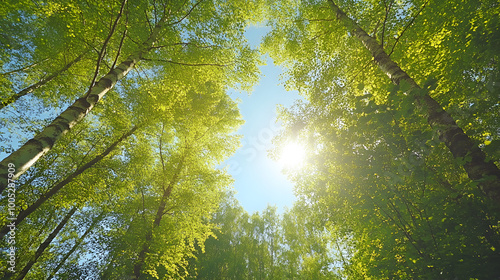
{"x": 292, "y": 155}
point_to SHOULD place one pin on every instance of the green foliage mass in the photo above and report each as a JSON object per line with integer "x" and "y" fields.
{"x": 379, "y": 196}
{"x": 376, "y": 172}
{"x": 264, "y": 245}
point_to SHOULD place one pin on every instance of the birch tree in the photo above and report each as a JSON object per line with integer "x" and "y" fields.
{"x": 183, "y": 189}
{"x": 486, "y": 173}
{"x": 210, "y": 28}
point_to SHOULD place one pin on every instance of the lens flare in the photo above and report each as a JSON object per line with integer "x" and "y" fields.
{"x": 292, "y": 155}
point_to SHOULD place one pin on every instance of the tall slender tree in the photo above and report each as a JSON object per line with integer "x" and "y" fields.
{"x": 462, "y": 147}
{"x": 165, "y": 40}
{"x": 58, "y": 186}
{"x": 46, "y": 244}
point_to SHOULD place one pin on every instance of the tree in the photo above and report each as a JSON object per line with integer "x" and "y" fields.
{"x": 264, "y": 246}
{"x": 170, "y": 23}
{"x": 478, "y": 167}
{"x": 486, "y": 173}
{"x": 58, "y": 186}
{"x": 97, "y": 165}
{"x": 184, "y": 187}
{"x": 46, "y": 244}
{"x": 389, "y": 190}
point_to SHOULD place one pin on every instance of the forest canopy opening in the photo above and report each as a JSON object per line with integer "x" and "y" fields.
{"x": 115, "y": 118}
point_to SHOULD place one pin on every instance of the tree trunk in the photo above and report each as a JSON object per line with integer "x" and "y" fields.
{"x": 78, "y": 242}
{"x": 46, "y": 243}
{"x": 156, "y": 223}
{"x": 25, "y": 213}
{"x": 35, "y": 86}
{"x": 38, "y": 146}
{"x": 485, "y": 173}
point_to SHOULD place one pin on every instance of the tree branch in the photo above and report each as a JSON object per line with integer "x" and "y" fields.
{"x": 147, "y": 20}
{"x": 387, "y": 9}
{"x": 313, "y": 20}
{"x": 187, "y": 14}
{"x": 120, "y": 47}
{"x": 186, "y": 44}
{"x": 42, "y": 82}
{"x": 407, "y": 27}
{"x": 24, "y": 68}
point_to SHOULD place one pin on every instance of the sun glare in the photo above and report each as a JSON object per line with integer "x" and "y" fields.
{"x": 292, "y": 155}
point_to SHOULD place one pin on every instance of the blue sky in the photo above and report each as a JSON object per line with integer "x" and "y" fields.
{"x": 258, "y": 179}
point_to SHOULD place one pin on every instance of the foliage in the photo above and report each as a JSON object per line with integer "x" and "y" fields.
{"x": 377, "y": 174}
{"x": 378, "y": 197}
{"x": 264, "y": 246}
{"x": 174, "y": 105}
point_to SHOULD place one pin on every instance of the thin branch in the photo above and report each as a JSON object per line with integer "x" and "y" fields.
{"x": 387, "y": 10}
{"x": 374, "y": 32}
{"x": 320, "y": 34}
{"x": 187, "y": 44}
{"x": 186, "y": 15}
{"x": 408, "y": 26}
{"x": 84, "y": 157}
{"x": 360, "y": 70}
{"x": 166, "y": 212}
{"x": 120, "y": 47}
{"x": 155, "y": 12}
{"x": 138, "y": 74}
{"x": 147, "y": 20}
{"x": 139, "y": 67}
{"x": 24, "y": 68}
{"x": 402, "y": 230}
{"x": 161, "y": 151}
{"x": 313, "y": 20}
{"x": 78, "y": 242}
{"x": 134, "y": 41}
{"x": 39, "y": 84}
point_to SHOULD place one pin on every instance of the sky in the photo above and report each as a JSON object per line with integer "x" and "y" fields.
{"x": 258, "y": 179}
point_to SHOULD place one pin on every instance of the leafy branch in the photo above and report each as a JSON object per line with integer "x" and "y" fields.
{"x": 187, "y": 14}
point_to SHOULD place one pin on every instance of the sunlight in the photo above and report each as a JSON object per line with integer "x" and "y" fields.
{"x": 292, "y": 155}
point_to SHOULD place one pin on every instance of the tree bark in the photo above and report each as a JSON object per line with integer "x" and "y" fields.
{"x": 25, "y": 213}
{"x": 485, "y": 173}
{"x": 13, "y": 98}
{"x": 46, "y": 243}
{"x": 38, "y": 146}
